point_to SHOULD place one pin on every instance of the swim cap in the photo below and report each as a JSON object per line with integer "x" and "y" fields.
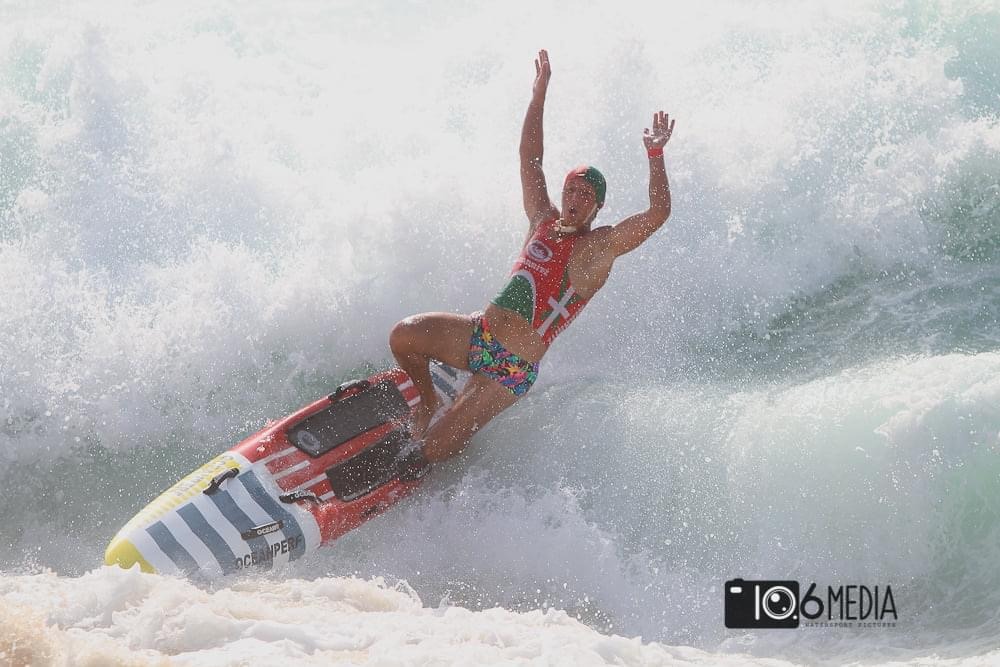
{"x": 592, "y": 176}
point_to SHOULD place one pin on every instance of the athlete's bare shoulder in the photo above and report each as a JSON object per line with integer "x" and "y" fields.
{"x": 598, "y": 238}
{"x": 600, "y": 231}
{"x": 592, "y": 262}
{"x": 595, "y": 249}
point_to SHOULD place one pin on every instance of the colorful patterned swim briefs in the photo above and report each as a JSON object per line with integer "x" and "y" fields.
{"x": 489, "y": 357}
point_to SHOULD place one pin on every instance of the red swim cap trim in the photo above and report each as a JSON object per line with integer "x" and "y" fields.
{"x": 592, "y": 176}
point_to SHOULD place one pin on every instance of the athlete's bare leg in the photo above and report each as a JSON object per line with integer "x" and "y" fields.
{"x": 480, "y": 400}
{"x": 416, "y": 340}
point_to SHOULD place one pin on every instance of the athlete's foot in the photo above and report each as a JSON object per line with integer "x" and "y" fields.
{"x": 422, "y": 418}
{"x": 411, "y": 464}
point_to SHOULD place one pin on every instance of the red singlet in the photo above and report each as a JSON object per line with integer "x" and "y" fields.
{"x": 539, "y": 288}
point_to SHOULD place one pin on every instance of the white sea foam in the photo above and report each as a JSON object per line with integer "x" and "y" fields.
{"x": 110, "y": 616}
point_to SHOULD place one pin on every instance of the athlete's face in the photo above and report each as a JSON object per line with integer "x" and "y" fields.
{"x": 578, "y": 201}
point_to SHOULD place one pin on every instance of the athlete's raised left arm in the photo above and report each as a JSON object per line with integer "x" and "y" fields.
{"x": 629, "y": 234}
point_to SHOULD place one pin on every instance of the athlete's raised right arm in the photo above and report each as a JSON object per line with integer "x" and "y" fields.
{"x": 631, "y": 232}
{"x": 536, "y": 196}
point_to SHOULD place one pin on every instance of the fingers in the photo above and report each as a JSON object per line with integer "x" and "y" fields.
{"x": 542, "y": 63}
{"x": 659, "y": 135}
{"x": 662, "y": 121}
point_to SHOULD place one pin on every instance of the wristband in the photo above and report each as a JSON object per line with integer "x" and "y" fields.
{"x": 656, "y": 151}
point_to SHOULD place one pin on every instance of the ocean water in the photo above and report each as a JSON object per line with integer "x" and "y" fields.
{"x": 212, "y": 214}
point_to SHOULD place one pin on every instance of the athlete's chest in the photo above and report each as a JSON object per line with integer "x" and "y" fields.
{"x": 579, "y": 256}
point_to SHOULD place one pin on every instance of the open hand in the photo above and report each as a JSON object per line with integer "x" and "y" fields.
{"x": 542, "y": 73}
{"x": 663, "y": 127}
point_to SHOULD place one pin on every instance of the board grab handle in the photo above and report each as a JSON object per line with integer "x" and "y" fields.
{"x": 217, "y": 481}
{"x": 359, "y": 385}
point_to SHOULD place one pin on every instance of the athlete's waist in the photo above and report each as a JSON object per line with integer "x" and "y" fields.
{"x": 515, "y": 332}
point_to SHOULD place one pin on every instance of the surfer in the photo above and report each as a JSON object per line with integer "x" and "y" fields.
{"x": 563, "y": 263}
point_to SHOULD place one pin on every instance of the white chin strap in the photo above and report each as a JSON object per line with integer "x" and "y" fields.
{"x": 574, "y": 229}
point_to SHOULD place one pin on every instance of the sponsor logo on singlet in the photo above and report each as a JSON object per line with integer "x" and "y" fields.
{"x": 539, "y": 251}
{"x": 535, "y": 266}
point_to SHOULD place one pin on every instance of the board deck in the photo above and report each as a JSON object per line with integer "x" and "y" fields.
{"x": 294, "y": 486}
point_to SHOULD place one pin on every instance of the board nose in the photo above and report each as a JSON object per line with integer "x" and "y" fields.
{"x": 123, "y": 553}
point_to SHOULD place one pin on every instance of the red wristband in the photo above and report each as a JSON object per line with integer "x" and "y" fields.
{"x": 656, "y": 151}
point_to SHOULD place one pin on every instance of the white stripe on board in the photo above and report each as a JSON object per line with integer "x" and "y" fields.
{"x": 288, "y": 471}
{"x": 307, "y": 522}
{"x": 276, "y": 455}
{"x": 151, "y": 551}
{"x": 191, "y": 542}
{"x": 216, "y": 519}
{"x": 405, "y": 385}
{"x": 260, "y": 517}
{"x": 315, "y": 480}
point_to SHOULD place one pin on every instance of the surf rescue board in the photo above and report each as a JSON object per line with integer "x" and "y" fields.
{"x": 294, "y": 486}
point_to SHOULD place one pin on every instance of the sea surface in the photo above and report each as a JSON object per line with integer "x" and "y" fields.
{"x": 212, "y": 214}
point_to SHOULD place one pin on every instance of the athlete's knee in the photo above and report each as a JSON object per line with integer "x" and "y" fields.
{"x": 403, "y": 335}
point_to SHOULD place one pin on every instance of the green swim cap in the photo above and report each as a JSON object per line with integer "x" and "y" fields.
{"x": 592, "y": 176}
